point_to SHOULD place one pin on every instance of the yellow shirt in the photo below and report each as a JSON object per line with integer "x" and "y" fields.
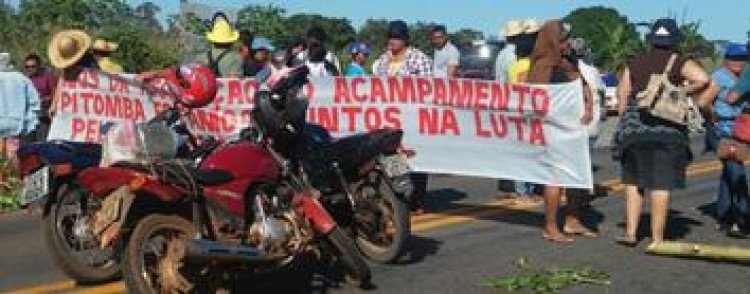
{"x": 107, "y": 65}
{"x": 519, "y": 69}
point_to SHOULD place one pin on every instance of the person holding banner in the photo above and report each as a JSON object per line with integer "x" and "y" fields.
{"x": 551, "y": 65}
{"x": 401, "y": 59}
{"x": 654, "y": 153}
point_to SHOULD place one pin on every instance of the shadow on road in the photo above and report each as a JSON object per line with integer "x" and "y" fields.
{"x": 678, "y": 226}
{"x": 417, "y": 249}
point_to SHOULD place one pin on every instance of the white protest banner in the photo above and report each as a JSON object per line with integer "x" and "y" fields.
{"x": 457, "y": 126}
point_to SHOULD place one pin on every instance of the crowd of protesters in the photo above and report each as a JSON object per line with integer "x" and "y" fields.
{"x": 653, "y": 153}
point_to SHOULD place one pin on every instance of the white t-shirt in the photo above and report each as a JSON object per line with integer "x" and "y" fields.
{"x": 446, "y": 57}
{"x": 593, "y": 79}
{"x": 504, "y": 60}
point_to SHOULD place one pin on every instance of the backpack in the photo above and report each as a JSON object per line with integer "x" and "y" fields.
{"x": 664, "y": 100}
{"x": 213, "y": 64}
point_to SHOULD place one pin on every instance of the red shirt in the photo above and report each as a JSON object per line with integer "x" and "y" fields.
{"x": 45, "y": 83}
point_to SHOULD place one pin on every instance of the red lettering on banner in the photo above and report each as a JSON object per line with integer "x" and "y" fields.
{"x": 441, "y": 95}
{"x": 432, "y": 121}
{"x": 250, "y": 87}
{"x": 481, "y": 95}
{"x": 341, "y": 91}
{"x": 460, "y": 93}
{"x": 480, "y": 132}
{"x": 77, "y": 127}
{"x": 207, "y": 121}
{"x": 401, "y": 89}
{"x": 377, "y": 90}
{"x": 85, "y": 130}
{"x": 127, "y": 107}
{"x": 500, "y": 99}
{"x": 229, "y": 121}
{"x": 356, "y": 83}
{"x": 140, "y": 112}
{"x": 428, "y": 121}
{"x": 373, "y": 121}
{"x": 424, "y": 89}
{"x": 521, "y": 91}
{"x": 352, "y": 112}
{"x": 450, "y": 123}
{"x": 234, "y": 92}
{"x": 86, "y": 97}
{"x": 499, "y": 125}
{"x": 112, "y": 106}
{"x": 67, "y": 99}
{"x": 118, "y": 85}
{"x": 327, "y": 117}
{"x": 89, "y": 79}
{"x": 309, "y": 89}
{"x": 540, "y": 102}
{"x": 536, "y": 135}
{"x": 393, "y": 117}
{"x": 98, "y": 104}
{"x": 519, "y": 125}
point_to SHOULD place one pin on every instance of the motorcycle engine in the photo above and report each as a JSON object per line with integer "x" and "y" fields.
{"x": 276, "y": 235}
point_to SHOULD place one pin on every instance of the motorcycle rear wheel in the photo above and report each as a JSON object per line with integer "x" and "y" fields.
{"x": 74, "y": 250}
{"x": 393, "y": 225}
{"x": 149, "y": 272}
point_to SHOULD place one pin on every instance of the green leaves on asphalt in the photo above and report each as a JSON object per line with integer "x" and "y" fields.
{"x": 547, "y": 281}
{"x": 10, "y": 187}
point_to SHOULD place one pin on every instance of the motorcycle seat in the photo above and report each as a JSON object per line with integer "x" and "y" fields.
{"x": 203, "y": 177}
{"x": 212, "y": 177}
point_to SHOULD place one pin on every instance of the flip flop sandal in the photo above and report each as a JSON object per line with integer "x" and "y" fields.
{"x": 629, "y": 241}
{"x": 562, "y": 239}
{"x": 581, "y": 232}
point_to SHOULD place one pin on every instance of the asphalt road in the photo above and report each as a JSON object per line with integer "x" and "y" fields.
{"x": 468, "y": 237}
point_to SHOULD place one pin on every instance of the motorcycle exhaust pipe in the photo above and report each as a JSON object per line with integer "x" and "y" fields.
{"x": 200, "y": 250}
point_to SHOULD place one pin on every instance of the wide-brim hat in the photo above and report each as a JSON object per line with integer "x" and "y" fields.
{"x": 68, "y": 47}
{"x": 531, "y": 26}
{"x": 222, "y": 32}
{"x": 512, "y": 28}
{"x": 104, "y": 46}
{"x": 665, "y": 32}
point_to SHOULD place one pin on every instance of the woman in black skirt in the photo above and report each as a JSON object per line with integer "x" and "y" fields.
{"x": 654, "y": 153}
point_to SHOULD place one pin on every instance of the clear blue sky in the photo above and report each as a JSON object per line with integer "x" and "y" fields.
{"x": 722, "y": 19}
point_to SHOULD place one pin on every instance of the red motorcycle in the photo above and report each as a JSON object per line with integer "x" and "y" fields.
{"x": 184, "y": 228}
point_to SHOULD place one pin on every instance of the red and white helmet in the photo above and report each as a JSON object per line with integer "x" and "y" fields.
{"x": 194, "y": 83}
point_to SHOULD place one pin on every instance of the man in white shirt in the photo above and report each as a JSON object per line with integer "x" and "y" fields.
{"x": 445, "y": 60}
{"x": 507, "y": 56}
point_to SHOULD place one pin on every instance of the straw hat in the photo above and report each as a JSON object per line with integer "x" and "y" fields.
{"x": 222, "y": 32}
{"x": 512, "y": 28}
{"x": 531, "y": 26}
{"x": 67, "y": 47}
{"x": 104, "y": 46}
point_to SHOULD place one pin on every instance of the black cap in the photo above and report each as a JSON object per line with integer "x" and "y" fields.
{"x": 665, "y": 32}
{"x": 398, "y": 29}
{"x": 316, "y": 32}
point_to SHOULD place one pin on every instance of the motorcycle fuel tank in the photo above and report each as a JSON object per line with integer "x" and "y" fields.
{"x": 248, "y": 163}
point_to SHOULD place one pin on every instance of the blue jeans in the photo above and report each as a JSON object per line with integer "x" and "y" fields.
{"x": 732, "y": 204}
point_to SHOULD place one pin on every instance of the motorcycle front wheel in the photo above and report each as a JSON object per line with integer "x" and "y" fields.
{"x": 71, "y": 241}
{"x": 356, "y": 267}
{"x": 382, "y": 224}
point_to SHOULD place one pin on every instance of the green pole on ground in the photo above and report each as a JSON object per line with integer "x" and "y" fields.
{"x": 704, "y": 251}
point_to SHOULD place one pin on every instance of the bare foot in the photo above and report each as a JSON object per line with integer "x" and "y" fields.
{"x": 579, "y": 230}
{"x": 557, "y": 237}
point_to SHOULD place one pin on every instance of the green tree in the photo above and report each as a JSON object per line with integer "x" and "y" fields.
{"x": 267, "y": 21}
{"x": 464, "y": 36}
{"x": 611, "y": 36}
{"x": 339, "y": 30}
